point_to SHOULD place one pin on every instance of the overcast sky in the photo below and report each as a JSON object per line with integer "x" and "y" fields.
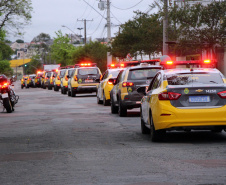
{"x": 48, "y": 16}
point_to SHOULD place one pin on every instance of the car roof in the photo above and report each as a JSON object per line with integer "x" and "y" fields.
{"x": 140, "y": 67}
{"x": 115, "y": 69}
{"x": 188, "y": 70}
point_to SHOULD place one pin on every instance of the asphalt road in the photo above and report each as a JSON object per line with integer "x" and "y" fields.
{"x": 56, "y": 139}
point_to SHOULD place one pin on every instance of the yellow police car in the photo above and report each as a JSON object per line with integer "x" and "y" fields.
{"x": 38, "y": 79}
{"x": 124, "y": 95}
{"x": 64, "y": 80}
{"x": 23, "y": 80}
{"x": 30, "y": 81}
{"x": 183, "y": 99}
{"x": 46, "y": 79}
{"x": 105, "y": 86}
{"x": 57, "y": 80}
{"x": 84, "y": 79}
{"x": 52, "y": 79}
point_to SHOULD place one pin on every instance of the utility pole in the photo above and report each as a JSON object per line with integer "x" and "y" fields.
{"x": 102, "y": 6}
{"x": 84, "y": 20}
{"x": 109, "y": 56}
{"x": 165, "y": 28}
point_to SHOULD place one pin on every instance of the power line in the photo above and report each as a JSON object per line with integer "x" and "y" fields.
{"x": 99, "y": 23}
{"x": 115, "y": 17}
{"x": 127, "y": 8}
{"x": 93, "y": 8}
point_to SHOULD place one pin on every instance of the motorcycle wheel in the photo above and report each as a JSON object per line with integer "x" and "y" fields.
{"x": 7, "y": 104}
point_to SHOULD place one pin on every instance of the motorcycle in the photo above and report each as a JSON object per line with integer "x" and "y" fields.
{"x": 8, "y": 98}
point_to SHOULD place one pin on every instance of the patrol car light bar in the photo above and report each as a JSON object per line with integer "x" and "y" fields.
{"x": 85, "y": 65}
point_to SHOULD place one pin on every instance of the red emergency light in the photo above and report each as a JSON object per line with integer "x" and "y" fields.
{"x": 86, "y": 64}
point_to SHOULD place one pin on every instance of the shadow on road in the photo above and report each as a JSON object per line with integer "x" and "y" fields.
{"x": 194, "y": 137}
{"x": 133, "y": 114}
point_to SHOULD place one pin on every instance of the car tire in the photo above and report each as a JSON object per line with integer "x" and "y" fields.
{"x": 98, "y": 100}
{"x": 122, "y": 112}
{"x": 64, "y": 90}
{"x": 114, "y": 109}
{"x": 22, "y": 86}
{"x": 54, "y": 88}
{"x": 73, "y": 94}
{"x": 68, "y": 92}
{"x": 49, "y": 87}
{"x": 156, "y": 135}
{"x": 105, "y": 102}
{"x": 144, "y": 128}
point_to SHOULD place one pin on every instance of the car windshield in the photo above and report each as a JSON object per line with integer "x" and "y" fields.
{"x": 142, "y": 74}
{"x": 194, "y": 78}
{"x": 114, "y": 73}
{"x": 88, "y": 71}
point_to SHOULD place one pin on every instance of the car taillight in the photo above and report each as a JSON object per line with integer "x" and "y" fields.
{"x": 66, "y": 78}
{"x": 58, "y": 77}
{"x": 4, "y": 85}
{"x": 127, "y": 84}
{"x": 169, "y": 96}
{"x": 75, "y": 78}
{"x": 29, "y": 78}
{"x": 110, "y": 83}
{"x": 222, "y": 94}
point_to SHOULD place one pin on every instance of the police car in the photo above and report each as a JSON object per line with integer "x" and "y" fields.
{"x": 38, "y": 79}
{"x": 124, "y": 95}
{"x": 183, "y": 99}
{"x": 84, "y": 79}
{"x": 57, "y": 79}
{"x": 105, "y": 86}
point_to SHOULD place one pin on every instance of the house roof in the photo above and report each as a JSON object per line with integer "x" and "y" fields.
{"x": 17, "y": 63}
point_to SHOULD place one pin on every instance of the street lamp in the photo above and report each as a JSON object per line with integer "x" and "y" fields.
{"x": 70, "y": 30}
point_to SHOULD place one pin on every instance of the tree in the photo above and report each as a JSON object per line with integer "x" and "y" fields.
{"x": 62, "y": 50}
{"x": 15, "y": 14}
{"x": 5, "y": 51}
{"x": 5, "y": 68}
{"x": 34, "y": 66}
{"x": 19, "y": 41}
{"x": 141, "y": 35}
{"x": 94, "y": 52}
{"x": 42, "y": 37}
{"x": 199, "y": 27}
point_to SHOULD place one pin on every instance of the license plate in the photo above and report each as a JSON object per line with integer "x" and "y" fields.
{"x": 5, "y": 95}
{"x": 198, "y": 99}
{"x": 88, "y": 81}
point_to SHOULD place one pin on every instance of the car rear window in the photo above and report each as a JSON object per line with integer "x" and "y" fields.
{"x": 88, "y": 71}
{"x": 142, "y": 74}
{"x": 194, "y": 78}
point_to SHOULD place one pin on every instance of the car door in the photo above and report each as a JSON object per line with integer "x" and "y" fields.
{"x": 116, "y": 86}
{"x": 146, "y": 101}
{"x": 101, "y": 84}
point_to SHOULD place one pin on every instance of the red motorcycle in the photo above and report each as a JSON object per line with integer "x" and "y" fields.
{"x": 8, "y": 98}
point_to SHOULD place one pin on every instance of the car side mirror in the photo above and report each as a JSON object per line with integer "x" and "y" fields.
{"x": 68, "y": 76}
{"x": 112, "y": 80}
{"x": 142, "y": 90}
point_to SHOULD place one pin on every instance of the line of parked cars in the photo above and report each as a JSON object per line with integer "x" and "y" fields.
{"x": 185, "y": 99}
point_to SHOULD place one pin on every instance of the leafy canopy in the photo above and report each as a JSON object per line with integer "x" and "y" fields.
{"x": 15, "y": 14}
